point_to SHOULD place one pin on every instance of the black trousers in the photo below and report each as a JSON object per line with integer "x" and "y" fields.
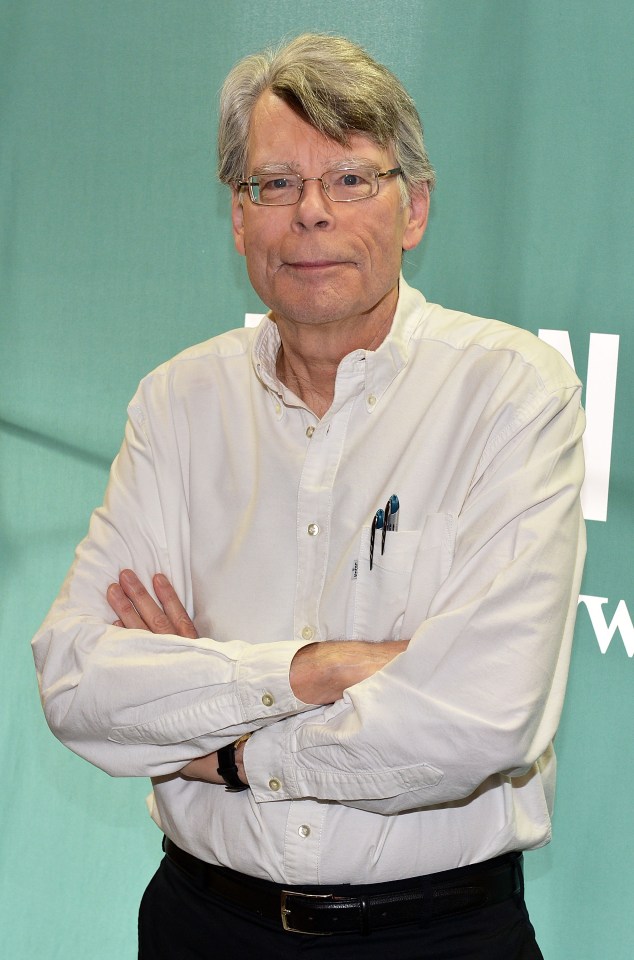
{"x": 181, "y": 920}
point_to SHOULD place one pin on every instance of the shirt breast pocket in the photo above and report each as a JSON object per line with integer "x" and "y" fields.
{"x": 392, "y": 598}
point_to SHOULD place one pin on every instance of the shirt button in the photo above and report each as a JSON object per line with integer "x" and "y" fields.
{"x": 278, "y": 408}
{"x": 309, "y": 432}
{"x": 275, "y": 784}
{"x": 268, "y": 700}
{"x": 313, "y": 529}
{"x": 371, "y": 400}
{"x": 307, "y": 633}
{"x": 304, "y": 830}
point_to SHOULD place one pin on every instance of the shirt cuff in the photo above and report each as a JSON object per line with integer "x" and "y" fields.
{"x": 266, "y": 763}
{"x": 263, "y": 684}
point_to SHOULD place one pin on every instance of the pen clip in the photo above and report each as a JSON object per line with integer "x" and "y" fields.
{"x": 391, "y": 518}
{"x": 377, "y": 524}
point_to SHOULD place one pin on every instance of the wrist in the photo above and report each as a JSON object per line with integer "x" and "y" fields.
{"x": 230, "y": 765}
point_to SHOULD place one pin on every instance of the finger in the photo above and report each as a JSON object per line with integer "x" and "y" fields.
{"x": 152, "y": 615}
{"x": 126, "y": 613}
{"x": 174, "y": 609}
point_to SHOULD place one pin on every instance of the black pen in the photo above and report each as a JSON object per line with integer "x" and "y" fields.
{"x": 391, "y": 518}
{"x": 377, "y": 524}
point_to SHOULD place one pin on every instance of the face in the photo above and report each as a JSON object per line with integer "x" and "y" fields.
{"x": 317, "y": 261}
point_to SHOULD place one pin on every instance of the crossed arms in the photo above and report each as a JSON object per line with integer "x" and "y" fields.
{"x": 319, "y": 672}
{"x": 476, "y": 692}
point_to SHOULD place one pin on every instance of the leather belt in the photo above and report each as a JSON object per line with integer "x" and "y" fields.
{"x": 359, "y": 908}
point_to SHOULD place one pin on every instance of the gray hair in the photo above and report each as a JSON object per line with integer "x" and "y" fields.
{"x": 339, "y": 89}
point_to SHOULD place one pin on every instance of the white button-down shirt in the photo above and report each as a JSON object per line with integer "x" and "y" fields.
{"x": 260, "y": 514}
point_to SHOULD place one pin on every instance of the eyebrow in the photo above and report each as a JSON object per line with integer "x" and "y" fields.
{"x": 276, "y": 168}
{"x": 285, "y": 167}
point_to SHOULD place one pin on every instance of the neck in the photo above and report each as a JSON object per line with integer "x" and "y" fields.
{"x": 310, "y": 354}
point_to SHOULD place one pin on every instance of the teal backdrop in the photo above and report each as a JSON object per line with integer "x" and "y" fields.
{"x": 116, "y": 252}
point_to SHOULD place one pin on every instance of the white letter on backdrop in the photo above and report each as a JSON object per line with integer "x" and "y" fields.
{"x": 620, "y": 621}
{"x": 603, "y": 357}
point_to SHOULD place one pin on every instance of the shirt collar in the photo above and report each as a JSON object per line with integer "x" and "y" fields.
{"x": 381, "y": 365}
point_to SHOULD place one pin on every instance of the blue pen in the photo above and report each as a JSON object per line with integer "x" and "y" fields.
{"x": 391, "y": 518}
{"x": 377, "y": 524}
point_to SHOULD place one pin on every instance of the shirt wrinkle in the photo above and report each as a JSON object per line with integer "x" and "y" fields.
{"x": 264, "y": 528}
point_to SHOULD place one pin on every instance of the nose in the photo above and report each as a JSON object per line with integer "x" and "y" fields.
{"x": 313, "y": 209}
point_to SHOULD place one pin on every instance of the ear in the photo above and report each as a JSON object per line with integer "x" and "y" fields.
{"x": 417, "y": 213}
{"x": 237, "y": 220}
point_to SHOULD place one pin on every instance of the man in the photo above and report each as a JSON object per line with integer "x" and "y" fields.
{"x": 369, "y": 508}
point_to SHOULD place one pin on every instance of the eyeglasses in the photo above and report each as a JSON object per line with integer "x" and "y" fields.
{"x": 279, "y": 189}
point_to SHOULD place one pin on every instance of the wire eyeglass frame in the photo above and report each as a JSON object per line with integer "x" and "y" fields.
{"x": 252, "y": 183}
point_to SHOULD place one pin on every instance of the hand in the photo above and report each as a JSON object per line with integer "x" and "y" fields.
{"x": 136, "y": 609}
{"x": 320, "y": 672}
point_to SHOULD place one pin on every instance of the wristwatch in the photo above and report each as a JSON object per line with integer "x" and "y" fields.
{"x": 227, "y": 766}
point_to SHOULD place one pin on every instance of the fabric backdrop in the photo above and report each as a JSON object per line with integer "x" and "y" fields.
{"x": 116, "y": 252}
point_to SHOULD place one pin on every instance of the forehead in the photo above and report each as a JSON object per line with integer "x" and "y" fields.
{"x": 278, "y": 134}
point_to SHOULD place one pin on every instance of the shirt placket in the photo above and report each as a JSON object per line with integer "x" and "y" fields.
{"x": 325, "y": 445}
{"x": 314, "y": 517}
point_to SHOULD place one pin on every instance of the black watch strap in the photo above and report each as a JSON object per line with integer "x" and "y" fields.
{"x": 228, "y": 770}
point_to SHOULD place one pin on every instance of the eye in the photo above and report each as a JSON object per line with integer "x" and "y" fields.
{"x": 353, "y": 183}
{"x": 277, "y": 188}
{"x": 354, "y": 178}
{"x": 273, "y": 183}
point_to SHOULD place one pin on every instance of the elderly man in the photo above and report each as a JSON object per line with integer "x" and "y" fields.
{"x": 369, "y": 508}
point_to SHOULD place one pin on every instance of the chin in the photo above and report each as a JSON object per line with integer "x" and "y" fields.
{"x": 308, "y": 316}
{"x": 311, "y": 305}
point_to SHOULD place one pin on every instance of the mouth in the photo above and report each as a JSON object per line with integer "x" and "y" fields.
{"x": 313, "y": 265}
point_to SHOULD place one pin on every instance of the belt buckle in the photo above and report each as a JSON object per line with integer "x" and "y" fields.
{"x": 285, "y": 911}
